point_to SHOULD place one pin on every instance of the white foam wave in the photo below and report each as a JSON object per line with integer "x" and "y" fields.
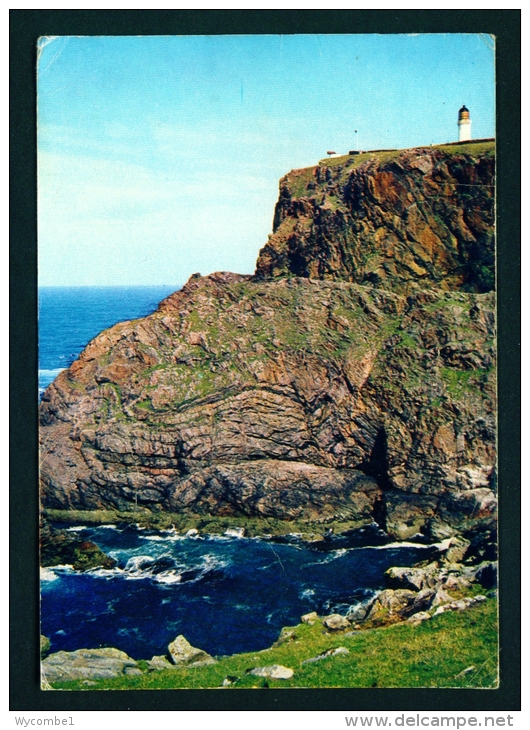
{"x": 169, "y": 578}
{"x": 398, "y": 545}
{"x": 329, "y": 558}
{"x": 51, "y": 373}
{"x": 163, "y": 569}
{"x": 307, "y": 593}
{"x": 106, "y": 572}
{"x": 77, "y": 528}
{"x": 47, "y": 575}
{"x": 163, "y": 538}
{"x": 51, "y": 573}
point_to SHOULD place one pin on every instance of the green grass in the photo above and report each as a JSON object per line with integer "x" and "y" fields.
{"x": 459, "y": 382}
{"x": 299, "y": 179}
{"x": 472, "y": 148}
{"x": 432, "y": 654}
{"x": 407, "y": 341}
{"x": 350, "y": 162}
{"x": 145, "y": 405}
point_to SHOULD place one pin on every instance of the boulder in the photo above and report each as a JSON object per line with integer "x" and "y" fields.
{"x": 236, "y": 532}
{"x": 357, "y": 613}
{"x": 310, "y": 618}
{"x": 336, "y": 622}
{"x": 460, "y": 605}
{"x": 458, "y": 548}
{"x": 441, "y": 597}
{"x": 422, "y": 602}
{"x": 456, "y": 582}
{"x": 66, "y": 666}
{"x": 182, "y": 653}
{"x": 390, "y": 605}
{"x": 339, "y": 651}
{"x": 159, "y": 663}
{"x": 413, "y": 579}
{"x": 286, "y": 635}
{"x": 59, "y": 547}
{"x": 275, "y": 671}
{"x": 418, "y": 618}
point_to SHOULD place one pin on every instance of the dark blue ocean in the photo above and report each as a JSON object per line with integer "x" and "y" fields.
{"x": 224, "y": 594}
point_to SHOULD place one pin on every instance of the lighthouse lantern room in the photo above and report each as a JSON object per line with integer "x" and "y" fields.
{"x": 464, "y": 124}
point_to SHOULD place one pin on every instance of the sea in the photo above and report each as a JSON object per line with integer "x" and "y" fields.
{"x": 226, "y": 594}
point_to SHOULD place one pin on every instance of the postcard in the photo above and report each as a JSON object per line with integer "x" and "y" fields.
{"x": 267, "y": 361}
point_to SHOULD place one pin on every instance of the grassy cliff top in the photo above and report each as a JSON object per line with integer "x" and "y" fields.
{"x": 475, "y": 149}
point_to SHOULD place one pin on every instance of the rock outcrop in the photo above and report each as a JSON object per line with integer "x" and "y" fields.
{"x": 87, "y": 664}
{"x": 182, "y": 653}
{"x": 400, "y": 219}
{"x": 59, "y": 547}
{"x": 275, "y": 671}
{"x": 342, "y": 397}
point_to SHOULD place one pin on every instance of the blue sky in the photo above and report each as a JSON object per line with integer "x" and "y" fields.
{"x": 160, "y": 156}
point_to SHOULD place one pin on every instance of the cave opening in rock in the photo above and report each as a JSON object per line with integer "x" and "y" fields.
{"x": 376, "y": 466}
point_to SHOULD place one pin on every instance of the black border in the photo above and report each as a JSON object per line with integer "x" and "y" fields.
{"x": 25, "y": 27}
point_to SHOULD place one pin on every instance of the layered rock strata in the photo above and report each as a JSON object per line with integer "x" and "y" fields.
{"x": 303, "y": 398}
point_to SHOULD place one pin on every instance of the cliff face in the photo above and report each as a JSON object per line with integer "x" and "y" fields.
{"x": 401, "y": 220}
{"x": 315, "y": 399}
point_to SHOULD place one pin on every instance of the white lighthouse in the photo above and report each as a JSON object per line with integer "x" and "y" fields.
{"x": 464, "y": 124}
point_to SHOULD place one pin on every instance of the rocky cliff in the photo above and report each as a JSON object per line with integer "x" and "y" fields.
{"x": 401, "y": 220}
{"x": 352, "y": 378}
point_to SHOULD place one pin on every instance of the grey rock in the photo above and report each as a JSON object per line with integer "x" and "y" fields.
{"x": 336, "y": 622}
{"x": 181, "y": 652}
{"x": 159, "y": 663}
{"x": 310, "y": 618}
{"x": 285, "y": 636}
{"x": 357, "y": 613}
{"x": 440, "y": 598}
{"x": 65, "y": 666}
{"x": 338, "y": 651}
{"x": 422, "y": 602}
{"x": 132, "y": 671}
{"x": 456, "y": 582}
{"x": 275, "y": 671}
{"x": 414, "y": 579}
{"x": 418, "y": 618}
{"x": 460, "y": 605}
{"x": 458, "y": 548}
{"x": 390, "y": 605}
